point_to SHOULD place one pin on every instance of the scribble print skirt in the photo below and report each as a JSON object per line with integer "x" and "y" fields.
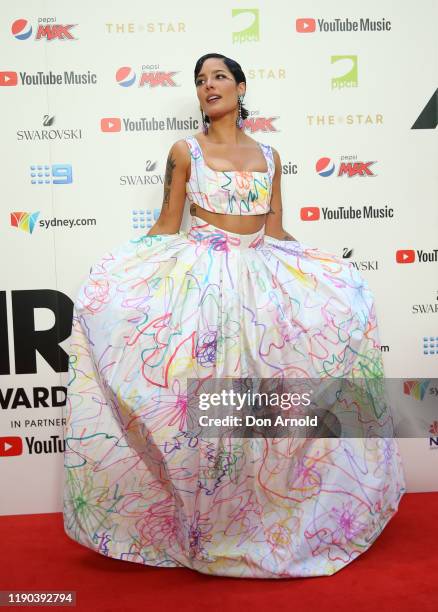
{"x": 138, "y": 487}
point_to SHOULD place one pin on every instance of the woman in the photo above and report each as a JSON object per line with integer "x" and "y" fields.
{"x": 234, "y": 298}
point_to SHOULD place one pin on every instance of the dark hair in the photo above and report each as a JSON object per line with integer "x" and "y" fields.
{"x": 233, "y": 66}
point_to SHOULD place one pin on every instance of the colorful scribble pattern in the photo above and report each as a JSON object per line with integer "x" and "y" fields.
{"x": 208, "y": 303}
{"x": 230, "y": 193}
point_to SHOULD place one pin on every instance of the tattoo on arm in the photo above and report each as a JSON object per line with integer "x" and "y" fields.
{"x": 170, "y": 167}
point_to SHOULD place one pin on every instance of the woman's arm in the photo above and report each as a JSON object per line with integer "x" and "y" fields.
{"x": 178, "y": 161}
{"x": 274, "y": 221}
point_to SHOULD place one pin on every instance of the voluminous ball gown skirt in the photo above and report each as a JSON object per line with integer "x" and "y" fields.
{"x": 208, "y": 303}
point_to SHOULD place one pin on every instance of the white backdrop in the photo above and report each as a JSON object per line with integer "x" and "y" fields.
{"x": 94, "y": 95}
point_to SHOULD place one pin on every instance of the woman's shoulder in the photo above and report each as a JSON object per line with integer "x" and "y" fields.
{"x": 186, "y": 144}
{"x": 191, "y": 137}
{"x": 180, "y": 151}
{"x": 263, "y": 144}
{"x": 186, "y": 140}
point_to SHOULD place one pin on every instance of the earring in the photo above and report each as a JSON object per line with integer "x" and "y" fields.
{"x": 239, "y": 120}
{"x": 204, "y": 123}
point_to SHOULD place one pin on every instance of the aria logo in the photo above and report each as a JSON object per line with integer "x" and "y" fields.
{"x": 325, "y": 167}
{"x": 428, "y": 118}
{"x": 21, "y": 29}
{"x": 251, "y": 33}
{"x": 29, "y": 340}
{"x": 345, "y": 71}
{"x": 362, "y": 265}
{"x": 149, "y": 76}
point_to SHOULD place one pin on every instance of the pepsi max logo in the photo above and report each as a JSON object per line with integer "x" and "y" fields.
{"x": 325, "y": 166}
{"x": 21, "y": 29}
{"x": 260, "y": 124}
{"x": 126, "y": 77}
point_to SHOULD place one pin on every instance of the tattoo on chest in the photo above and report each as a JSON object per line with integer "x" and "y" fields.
{"x": 170, "y": 167}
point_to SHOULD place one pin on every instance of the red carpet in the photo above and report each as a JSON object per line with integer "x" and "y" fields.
{"x": 399, "y": 572}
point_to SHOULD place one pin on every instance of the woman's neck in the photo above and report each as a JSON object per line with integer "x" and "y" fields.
{"x": 224, "y": 131}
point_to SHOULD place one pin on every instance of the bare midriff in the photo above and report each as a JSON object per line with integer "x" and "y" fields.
{"x": 237, "y": 224}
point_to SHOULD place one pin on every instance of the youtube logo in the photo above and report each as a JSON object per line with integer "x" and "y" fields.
{"x": 309, "y": 213}
{"x": 405, "y": 256}
{"x": 110, "y": 124}
{"x": 305, "y": 24}
{"x": 8, "y": 79}
{"x": 10, "y": 446}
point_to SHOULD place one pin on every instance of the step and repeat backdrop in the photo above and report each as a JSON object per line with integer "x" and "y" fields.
{"x": 92, "y": 98}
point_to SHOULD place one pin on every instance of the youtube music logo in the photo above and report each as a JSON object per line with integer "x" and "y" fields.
{"x": 110, "y": 124}
{"x": 10, "y": 446}
{"x": 309, "y": 213}
{"x": 305, "y": 25}
{"x": 8, "y": 79}
{"x": 405, "y": 256}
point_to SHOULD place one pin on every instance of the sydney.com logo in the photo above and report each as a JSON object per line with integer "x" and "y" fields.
{"x": 27, "y": 221}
